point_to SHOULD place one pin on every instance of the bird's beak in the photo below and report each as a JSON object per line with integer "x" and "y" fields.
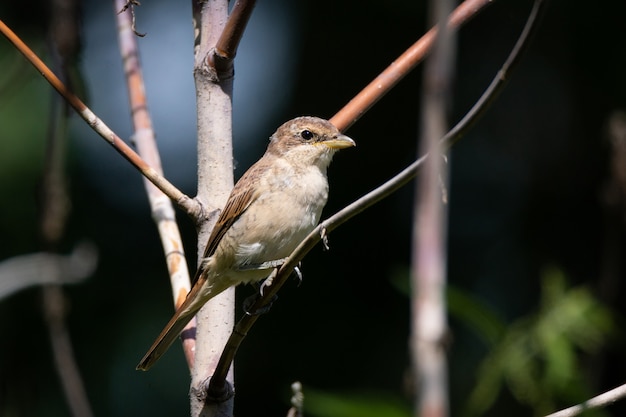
{"x": 339, "y": 142}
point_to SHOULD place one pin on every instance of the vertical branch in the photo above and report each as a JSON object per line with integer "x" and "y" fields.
{"x": 160, "y": 205}
{"x": 214, "y": 88}
{"x": 55, "y": 210}
{"x": 429, "y": 324}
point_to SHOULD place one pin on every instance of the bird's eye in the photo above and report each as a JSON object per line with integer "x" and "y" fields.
{"x": 306, "y": 135}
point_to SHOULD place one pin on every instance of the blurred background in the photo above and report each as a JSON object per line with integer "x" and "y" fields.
{"x": 536, "y": 228}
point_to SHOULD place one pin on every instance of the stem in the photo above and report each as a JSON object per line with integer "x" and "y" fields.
{"x": 160, "y": 205}
{"x": 402, "y": 66}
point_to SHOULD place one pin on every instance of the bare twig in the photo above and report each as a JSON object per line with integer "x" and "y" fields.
{"x": 401, "y": 66}
{"x": 598, "y": 401}
{"x": 226, "y": 47}
{"x": 371, "y": 198}
{"x": 55, "y": 208}
{"x": 65, "y": 364}
{"x": 181, "y": 200}
{"x": 43, "y": 268}
{"x": 130, "y": 4}
{"x": 428, "y": 260}
{"x": 161, "y": 206}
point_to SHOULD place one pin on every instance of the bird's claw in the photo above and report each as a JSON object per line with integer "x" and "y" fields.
{"x": 249, "y": 302}
{"x": 324, "y": 236}
{"x": 297, "y": 274}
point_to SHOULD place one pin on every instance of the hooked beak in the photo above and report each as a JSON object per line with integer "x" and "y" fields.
{"x": 339, "y": 142}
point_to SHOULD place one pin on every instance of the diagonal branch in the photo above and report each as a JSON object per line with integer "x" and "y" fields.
{"x": 401, "y": 66}
{"x": 599, "y": 401}
{"x": 225, "y": 50}
{"x": 189, "y": 205}
{"x": 217, "y": 384}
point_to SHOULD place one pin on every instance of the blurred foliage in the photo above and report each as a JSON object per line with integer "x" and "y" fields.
{"x": 319, "y": 403}
{"x": 537, "y": 357}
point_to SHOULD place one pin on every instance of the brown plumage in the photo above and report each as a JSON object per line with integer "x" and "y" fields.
{"x": 274, "y": 205}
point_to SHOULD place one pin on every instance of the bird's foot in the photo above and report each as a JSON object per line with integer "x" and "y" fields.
{"x": 249, "y": 302}
{"x": 297, "y": 274}
{"x": 324, "y": 237}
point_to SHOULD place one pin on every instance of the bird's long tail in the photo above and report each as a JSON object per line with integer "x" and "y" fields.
{"x": 177, "y": 323}
{"x": 168, "y": 335}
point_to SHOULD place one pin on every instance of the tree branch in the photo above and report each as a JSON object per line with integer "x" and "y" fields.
{"x": 402, "y": 66}
{"x": 54, "y": 213}
{"x": 163, "y": 212}
{"x": 42, "y": 268}
{"x": 226, "y": 48}
{"x": 428, "y": 261}
{"x": 215, "y": 181}
{"x": 598, "y": 401}
{"x": 190, "y": 206}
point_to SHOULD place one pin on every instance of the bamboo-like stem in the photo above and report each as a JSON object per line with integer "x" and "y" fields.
{"x": 161, "y": 206}
{"x": 429, "y": 255}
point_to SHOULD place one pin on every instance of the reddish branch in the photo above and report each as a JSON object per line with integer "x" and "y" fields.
{"x": 226, "y": 46}
{"x": 403, "y": 65}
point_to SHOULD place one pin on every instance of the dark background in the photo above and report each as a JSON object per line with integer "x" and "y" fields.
{"x": 527, "y": 192}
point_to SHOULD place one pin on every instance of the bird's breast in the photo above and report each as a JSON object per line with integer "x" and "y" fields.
{"x": 282, "y": 215}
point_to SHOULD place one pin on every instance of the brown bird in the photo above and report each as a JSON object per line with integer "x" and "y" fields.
{"x": 271, "y": 209}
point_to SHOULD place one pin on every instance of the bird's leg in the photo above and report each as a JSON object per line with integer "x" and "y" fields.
{"x": 267, "y": 282}
{"x": 324, "y": 237}
{"x": 249, "y": 302}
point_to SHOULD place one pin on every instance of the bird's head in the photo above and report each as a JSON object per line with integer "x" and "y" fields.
{"x": 308, "y": 139}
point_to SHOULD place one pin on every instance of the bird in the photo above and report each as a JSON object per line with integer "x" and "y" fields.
{"x": 276, "y": 203}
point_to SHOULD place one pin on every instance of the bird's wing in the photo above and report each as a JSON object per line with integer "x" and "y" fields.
{"x": 238, "y": 202}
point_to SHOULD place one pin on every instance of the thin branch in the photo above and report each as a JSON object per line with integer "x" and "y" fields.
{"x": 163, "y": 212}
{"x": 598, "y": 401}
{"x": 20, "y": 272}
{"x": 428, "y": 261}
{"x": 245, "y": 323}
{"x": 55, "y": 210}
{"x": 55, "y": 307}
{"x": 226, "y": 47}
{"x": 189, "y": 205}
{"x": 402, "y": 66}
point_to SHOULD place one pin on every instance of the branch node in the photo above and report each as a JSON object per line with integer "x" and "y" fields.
{"x": 210, "y": 393}
{"x": 221, "y": 65}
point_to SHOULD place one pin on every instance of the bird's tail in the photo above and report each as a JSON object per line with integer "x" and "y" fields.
{"x": 168, "y": 335}
{"x": 194, "y": 301}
